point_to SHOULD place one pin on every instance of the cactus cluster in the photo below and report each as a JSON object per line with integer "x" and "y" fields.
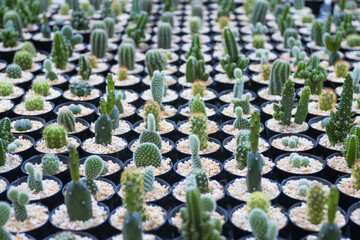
{"x": 75, "y": 108}
{"x": 316, "y": 200}
{"x": 80, "y": 89}
{"x": 14, "y": 145}
{"x": 240, "y": 122}
{"x": 154, "y": 108}
{"x": 303, "y": 187}
{"x": 79, "y": 20}
{"x": 346, "y": 27}
{"x": 284, "y": 19}
{"x": 23, "y": 59}
{"x": 50, "y": 164}
{"x": 341, "y": 68}
{"x": 332, "y": 45}
{"x": 9, "y": 36}
{"x": 225, "y": 7}
{"x": 262, "y": 227}
{"x": 258, "y": 200}
{"x": 84, "y": 68}
{"x": 195, "y": 70}
{"x": 17, "y": 24}
{"x": 291, "y": 142}
{"x": 6, "y": 88}
{"x": 34, "y": 180}
{"x": 258, "y": 29}
{"x": 298, "y": 161}
{"x": 258, "y": 41}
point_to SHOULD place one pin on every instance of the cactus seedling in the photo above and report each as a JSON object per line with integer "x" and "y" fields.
{"x": 19, "y": 201}
{"x": 149, "y": 134}
{"x": 75, "y": 108}
{"x": 297, "y": 161}
{"x": 55, "y": 135}
{"x": 316, "y": 200}
{"x": 5, "y": 216}
{"x": 332, "y": 44}
{"x": 157, "y": 87}
{"x": 303, "y": 187}
{"x": 80, "y": 89}
{"x": 136, "y": 29}
{"x": 198, "y": 87}
{"x": 242, "y": 148}
{"x": 23, "y": 59}
{"x": 50, "y": 164}
{"x": 34, "y": 180}
{"x": 93, "y": 168}
{"x": 341, "y": 68}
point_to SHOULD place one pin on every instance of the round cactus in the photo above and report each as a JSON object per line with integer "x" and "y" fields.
{"x": 67, "y": 119}
{"x": 307, "y": 18}
{"x": 55, "y": 135}
{"x": 353, "y": 40}
{"x": 122, "y": 73}
{"x": 93, "y": 168}
{"x": 75, "y": 108}
{"x": 23, "y": 125}
{"x": 147, "y": 154}
{"x": 341, "y": 68}
{"x": 29, "y": 47}
{"x": 41, "y": 86}
{"x": 6, "y": 88}
{"x": 80, "y": 89}
{"x": 23, "y": 59}
{"x": 34, "y": 102}
{"x": 258, "y": 41}
{"x": 13, "y": 71}
{"x": 208, "y": 204}
{"x": 327, "y": 99}
{"x": 258, "y": 200}
{"x": 50, "y": 164}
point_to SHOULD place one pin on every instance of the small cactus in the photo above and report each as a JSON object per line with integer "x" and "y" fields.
{"x": 154, "y": 108}
{"x": 67, "y": 119}
{"x": 155, "y": 60}
{"x": 34, "y": 102}
{"x": 55, "y": 135}
{"x": 242, "y": 148}
{"x": 13, "y": 71}
{"x": 208, "y": 204}
{"x": 65, "y": 236}
{"x": 280, "y": 72}
{"x": 157, "y": 87}
{"x": 297, "y": 161}
{"x": 23, "y": 59}
{"x": 353, "y": 40}
{"x": 258, "y": 200}
{"x": 307, "y": 18}
{"x": 50, "y": 74}
{"x": 290, "y": 142}
{"x": 258, "y": 41}
{"x": 303, "y": 187}
{"x": 198, "y": 87}
{"x": 265, "y": 71}
{"x": 41, "y": 87}
{"x": 34, "y": 180}
{"x": 261, "y": 226}
{"x": 80, "y": 89}
{"x": 75, "y": 108}
{"x": 19, "y": 201}
{"x": 316, "y": 200}
{"x": 149, "y": 178}
{"x": 195, "y": 24}
{"x": 92, "y": 60}
{"x": 6, "y": 88}
{"x": 84, "y": 68}
{"x": 5, "y": 216}
{"x": 341, "y": 68}
{"x": 147, "y": 154}
{"x": 149, "y": 134}
{"x": 122, "y": 73}
{"x": 327, "y": 99}
{"x": 50, "y": 164}
{"x": 23, "y": 125}
{"x": 93, "y": 168}
{"x": 243, "y": 103}
{"x": 240, "y": 121}
{"x": 355, "y": 174}
{"x": 164, "y": 35}
{"x": 29, "y": 47}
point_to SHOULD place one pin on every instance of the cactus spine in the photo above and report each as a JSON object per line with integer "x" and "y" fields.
{"x": 55, "y": 135}
{"x": 34, "y": 180}
{"x": 316, "y": 200}
{"x": 19, "y": 201}
{"x": 280, "y": 72}
{"x": 259, "y": 11}
{"x": 126, "y": 55}
{"x": 84, "y": 68}
{"x": 164, "y": 35}
{"x": 99, "y": 42}
{"x": 242, "y": 148}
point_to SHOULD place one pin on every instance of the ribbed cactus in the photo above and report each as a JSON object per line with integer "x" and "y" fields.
{"x": 19, "y": 201}
{"x": 330, "y": 230}
{"x": 258, "y": 41}
{"x": 34, "y": 180}
{"x": 208, "y": 204}
{"x": 133, "y": 183}
{"x": 243, "y": 103}
{"x": 351, "y": 150}
{"x": 170, "y": 5}
{"x": 5, "y": 216}
{"x": 50, "y": 164}
{"x": 196, "y": 104}
{"x": 50, "y": 74}
{"x": 353, "y": 40}
{"x": 195, "y": 49}
{"x": 262, "y": 227}
{"x": 167, "y": 17}
{"x": 242, "y": 148}
{"x": 154, "y": 108}
{"x": 282, "y": 110}
{"x": 356, "y": 79}
{"x": 327, "y": 99}
{"x": 6, "y": 88}
{"x": 259, "y": 11}
{"x": 29, "y": 47}
{"x": 80, "y": 89}
{"x": 93, "y": 168}
{"x": 13, "y": 71}
{"x": 257, "y": 29}
{"x": 41, "y": 87}
{"x": 23, "y": 125}
{"x": 55, "y": 135}
{"x": 99, "y": 42}
{"x": 126, "y": 55}
{"x": 198, "y": 87}
{"x": 79, "y": 20}
{"x": 280, "y": 72}
{"x": 340, "y": 121}
{"x": 23, "y": 59}
{"x": 164, "y": 35}
{"x": 254, "y": 160}
{"x": 232, "y": 59}
{"x": 290, "y": 32}
{"x": 341, "y": 68}
{"x": 258, "y": 200}
{"x": 16, "y": 19}
{"x": 195, "y": 221}
{"x": 67, "y": 119}
{"x": 313, "y": 74}
{"x": 316, "y": 200}
{"x": 84, "y": 68}
{"x": 77, "y": 197}
{"x": 5, "y": 132}
{"x": 157, "y": 87}
{"x": 155, "y": 60}
{"x": 34, "y": 102}
{"x": 59, "y": 51}
{"x": 346, "y": 27}
{"x": 332, "y": 44}
{"x": 145, "y": 5}
{"x": 149, "y": 134}
{"x": 317, "y": 32}
{"x": 2, "y": 152}
{"x": 132, "y": 228}
{"x": 198, "y": 126}
{"x": 225, "y": 7}
{"x": 355, "y": 174}
{"x": 64, "y": 10}
{"x": 136, "y": 29}
{"x": 147, "y": 154}
{"x": 70, "y": 38}
{"x": 195, "y": 25}
{"x": 195, "y": 70}
{"x": 284, "y": 18}
{"x": 149, "y": 178}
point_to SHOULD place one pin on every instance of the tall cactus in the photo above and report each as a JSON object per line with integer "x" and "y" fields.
{"x": 70, "y": 38}
{"x": 195, "y": 70}
{"x": 16, "y": 19}
{"x": 126, "y": 55}
{"x": 280, "y": 72}
{"x": 19, "y": 201}
{"x": 136, "y": 30}
{"x": 59, "y": 51}
{"x": 195, "y": 48}
{"x": 164, "y": 36}
{"x": 290, "y": 32}
{"x": 282, "y": 111}
{"x": 259, "y": 11}
{"x": 351, "y": 149}
{"x": 84, "y": 68}
{"x": 157, "y": 87}
{"x": 302, "y": 107}
{"x": 332, "y": 44}
{"x": 5, "y": 216}
{"x": 316, "y": 200}
{"x": 99, "y": 42}
{"x": 242, "y": 148}
{"x": 155, "y": 60}
{"x": 317, "y": 32}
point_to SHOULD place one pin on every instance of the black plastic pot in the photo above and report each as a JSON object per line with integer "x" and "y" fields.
{"x": 90, "y": 118}
{"x": 3, "y": 193}
{"x": 332, "y": 174}
{"x": 29, "y": 151}
{"x": 35, "y": 133}
{"x": 216, "y": 135}
{"x": 81, "y": 234}
{"x": 354, "y": 227}
{"x": 270, "y": 132}
{"x": 276, "y": 151}
{"x": 117, "y": 154}
{"x": 168, "y": 154}
{"x": 82, "y": 134}
{"x": 345, "y": 199}
{"x": 322, "y": 149}
{"x": 64, "y": 153}
{"x": 253, "y": 98}
{"x": 227, "y": 153}
{"x": 226, "y": 117}
{"x": 47, "y": 116}
{"x": 211, "y": 101}
{"x": 314, "y": 133}
{"x": 8, "y": 113}
{"x": 172, "y": 118}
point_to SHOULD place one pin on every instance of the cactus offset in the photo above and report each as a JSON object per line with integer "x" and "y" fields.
{"x": 280, "y": 72}
{"x": 149, "y": 134}
{"x": 50, "y": 164}
{"x": 19, "y": 201}
{"x": 290, "y": 33}
{"x": 198, "y": 126}
{"x": 353, "y": 40}
{"x": 197, "y": 105}
{"x": 147, "y": 154}
{"x": 34, "y": 180}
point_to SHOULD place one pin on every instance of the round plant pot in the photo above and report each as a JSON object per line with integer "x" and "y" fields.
{"x": 314, "y": 133}
{"x": 3, "y": 192}
{"x": 36, "y": 134}
{"x": 182, "y": 117}
{"x": 13, "y": 173}
{"x": 217, "y": 154}
{"x": 83, "y": 134}
{"x": 346, "y": 200}
{"x": 89, "y": 117}
{"x": 332, "y": 174}
{"x": 64, "y": 152}
{"x": 277, "y": 151}
{"x": 211, "y": 101}
{"x": 118, "y": 154}
{"x": 8, "y": 113}
{"x": 29, "y": 151}
{"x": 354, "y": 227}
{"x": 81, "y": 234}
{"x": 227, "y": 153}
{"x": 324, "y": 151}
{"x": 63, "y": 86}
{"x": 253, "y": 98}
{"x": 216, "y": 135}
{"x": 171, "y": 135}
{"x": 270, "y": 132}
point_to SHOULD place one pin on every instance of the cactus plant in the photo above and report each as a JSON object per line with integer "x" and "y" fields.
{"x": 355, "y": 174}
{"x": 346, "y": 28}
{"x": 332, "y": 44}
{"x": 317, "y": 32}
{"x": 155, "y": 60}
{"x": 132, "y": 228}
{"x": 29, "y": 47}
{"x": 50, "y": 164}
{"x": 5, "y": 216}
{"x": 49, "y": 72}
{"x": 167, "y": 17}
{"x": 14, "y": 145}
{"x": 353, "y": 40}
{"x": 284, "y": 19}
{"x": 195, "y": 70}
{"x": 341, "y": 68}
{"x": 75, "y": 108}
{"x": 23, "y": 59}
{"x": 34, "y": 102}
{"x": 19, "y": 201}
{"x": 13, "y": 16}
{"x": 147, "y": 154}
{"x": 299, "y": 4}
{"x": 149, "y": 134}
{"x": 288, "y": 33}
{"x": 195, "y": 25}
{"x": 77, "y": 197}
{"x": 85, "y": 69}
{"x": 93, "y": 168}
{"x": 59, "y": 51}
{"x": 65, "y": 236}
{"x": 307, "y": 18}
{"x": 136, "y": 30}
{"x": 64, "y": 9}
{"x": 258, "y": 29}
{"x": 242, "y": 148}
{"x": 149, "y": 178}
{"x": 291, "y": 142}
{"x": 23, "y": 125}
{"x": 297, "y": 161}
{"x": 34, "y": 180}
{"x": 6, "y": 88}
{"x": 70, "y": 39}
{"x": 198, "y": 126}
{"x": 303, "y": 187}
{"x": 67, "y": 119}
{"x": 351, "y": 150}
{"x": 198, "y": 87}
{"x": 157, "y": 87}
{"x": 13, "y": 71}
{"x": 164, "y": 36}
{"x": 154, "y": 108}
{"x": 262, "y": 227}
{"x": 55, "y": 135}
{"x": 126, "y": 56}
{"x": 80, "y": 89}
{"x": 258, "y": 41}
{"x": 327, "y": 99}
{"x": 9, "y": 36}
{"x": 315, "y": 202}
{"x": 340, "y": 121}
{"x": 99, "y": 42}
{"x": 259, "y": 11}
{"x": 240, "y": 121}
{"x": 297, "y": 54}
{"x": 225, "y": 7}
{"x": 197, "y": 105}
{"x": 3, "y": 147}
{"x": 232, "y": 59}
{"x": 258, "y": 200}
{"x": 195, "y": 49}
{"x": 280, "y": 72}
{"x": 41, "y": 87}
{"x": 79, "y": 20}
{"x": 282, "y": 111}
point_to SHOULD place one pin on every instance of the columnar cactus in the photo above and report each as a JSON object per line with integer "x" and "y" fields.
{"x": 55, "y": 135}
{"x": 340, "y": 121}
{"x": 2, "y": 152}
{"x": 356, "y": 79}
{"x": 341, "y": 68}
{"x": 5, "y": 216}
{"x": 5, "y": 131}
{"x": 280, "y": 72}
{"x": 157, "y": 87}
{"x": 155, "y": 60}
{"x": 194, "y": 144}
{"x": 110, "y": 26}
{"x": 317, "y": 32}
{"x": 198, "y": 126}
{"x": 327, "y": 99}
{"x": 240, "y": 121}
{"x": 346, "y": 27}
{"x": 13, "y": 71}
{"x": 23, "y": 59}
{"x": 67, "y": 119}
{"x": 136, "y": 30}
{"x": 16, "y": 19}
{"x": 242, "y": 148}
{"x": 262, "y": 227}
{"x": 34, "y": 102}
{"x": 93, "y": 168}
{"x": 259, "y": 11}
{"x": 149, "y": 134}
{"x": 6, "y": 88}
{"x": 195, "y": 70}
{"x": 299, "y": 4}
{"x": 41, "y": 87}
{"x": 29, "y": 47}
{"x": 282, "y": 111}
{"x": 84, "y": 68}
{"x": 70, "y": 39}
{"x": 133, "y": 183}
{"x": 195, "y": 25}
{"x": 254, "y": 160}
{"x": 59, "y": 51}
{"x": 232, "y": 59}
{"x": 19, "y": 201}
{"x": 149, "y": 178}
{"x": 9, "y": 36}
{"x": 258, "y": 200}
{"x": 147, "y": 154}
{"x": 23, "y": 125}
{"x": 50, "y": 164}
{"x": 145, "y": 5}
{"x": 99, "y": 42}
{"x": 198, "y": 87}
{"x": 164, "y": 36}
{"x": 351, "y": 150}
{"x": 302, "y": 107}
{"x": 196, "y": 104}
{"x": 77, "y": 197}
{"x": 34, "y": 180}
{"x": 195, "y": 49}
{"x": 225, "y": 8}
{"x": 126, "y": 55}
{"x": 330, "y": 230}
{"x": 332, "y": 44}
{"x": 355, "y": 174}
{"x": 316, "y": 200}
{"x": 284, "y": 19}
{"x": 290, "y": 32}
{"x": 50, "y": 74}
{"x": 154, "y": 108}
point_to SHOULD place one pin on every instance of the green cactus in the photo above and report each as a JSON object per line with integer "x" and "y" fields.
{"x": 282, "y": 111}
{"x": 79, "y": 20}
{"x": 5, "y": 216}
{"x": 67, "y": 119}
{"x": 240, "y": 122}
{"x": 6, "y": 88}
{"x": 292, "y": 42}
{"x": 340, "y": 121}
{"x": 17, "y": 23}
{"x": 80, "y": 89}
{"x": 77, "y": 197}
{"x": 341, "y": 68}
{"x": 5, "y": 132}
{"x": 257, "y": 29}
{"x": 259, "y": 12}
{"x": 303, "y": 187}
{"x": 232, "y": 59}
{"x": 288, "y": 33}
{"x": 254, "y": 159}
{"x": 207, "y": 204}
{"x": 126, "y": 55}
{"x": 198, "y": 126}
{"x": 356, "y": 79}
{"x": 99, "y": 42}
{"x": 149, "y": 134}
{"x": 157, "y": 87}
{"x": 297, "y": 161}
{"x": 13, "y": 71}
{"x": 87, "y": 7}
{"x": 299, "y": 4}
{"x": 9, "y": 36}
{"x": 346, "y": 28}
{"x": 280, "y": 72}
{"x": 195, "y": 221}
{"x": 164, "y": 35}
{"x": 317, "y": 32}
{"x": 197, "y": 105}
{"x": 41, "y": 87}
{"x": 136, "y": 29}
{"x": 132, "y": 228}
{"x": 242, "y": 148}
{"x": 34, "y": 102}
{"x": 284, "y": 19}
{"x": 167, "y": 17}
{"x": 155, "y": 60}
{"x": 225, "y": 7}
{"x": 198, "y": 87}
{"x": 122, "y": 73}
{"x": 351, "y": 150}
{"x": 197, "y": 9}
{"x": 355, "y": 174}
{"x": 133, "y": 183}
{"x": 195, "y": 49}
{"x": 353, "y": 40}
{"x": 297, "y": 54}
{"x": 302, "y": 107}
{"x": 23, "y": 125}
{"x": 307, "y": 18}
{"x": 313, "y": 74}
{"x": 45, "y": 28}
{"x": 316, "y": 200}
{"x": 195, "y": 25}
{"x": 327, "y": 99}
{"x": 19, "y": 201}
{"x": 84, "y": 68}
{"x": 291, "y": 142}
{"x": 332, "y": 44}
{"x": 3, "y": 148}
{"x": 14, "y": 145}
{"x": 49, "y": 72}
{"x": 55, "y": 135}
{"x": 70, "y": 39}
{"x": 194, "y": 144}
{"x": 93, "y": 168}
{"x": 50, "y": 164}
{"x": 265, "y": 71}
{"x": 258, "y": 200}
{"x": 262, "y": 227}
{"x": 258, "y": 41}
{"x": 75, "y": 108}
{"x": 154, "y": 108}
{"x": 59, "y": 51}
{"x": 195, "y": 70}
{"x": 110, "y": 26}
{"x": 23, "y": 59}
{"x": 243, "y": 103}
{"x": 120, "y": 95}
{"x": 65, "y": 236}
{"x": 29, "y": 47}
{"x": 147, "y": 154}
{"x": 149, "y": 178}
{"x": 34, "y": 179}
{"x": 330, "y": 230}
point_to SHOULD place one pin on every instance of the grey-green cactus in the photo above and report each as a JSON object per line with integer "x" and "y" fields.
{"x": 259, "y": 11}
{"x": 50, "y": 164}
{"x": 19, "y": 201}
{"x": 262, "y": 227}
{"x": 164, "y": 35}
{"x": 332, "y": 44}
{"x": 5, "y": 216}
{"x": 23, "y": 125}
{"x": 126, "y": 55}
{"x": 157, "y": 87}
